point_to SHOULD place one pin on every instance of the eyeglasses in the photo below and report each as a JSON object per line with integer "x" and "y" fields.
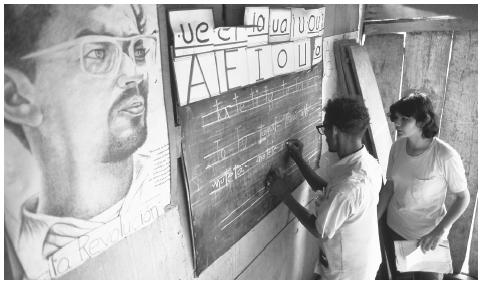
{"x": 321, "y": 129}
{"x": 102, "y": 55}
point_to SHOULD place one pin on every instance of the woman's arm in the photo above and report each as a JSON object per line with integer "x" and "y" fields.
{"x": 430, "y": 241}
{"x": 386, "y": 194}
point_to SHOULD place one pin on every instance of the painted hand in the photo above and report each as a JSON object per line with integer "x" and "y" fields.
{"x": 294, "y": 149}
{"x": 431, "y": 240}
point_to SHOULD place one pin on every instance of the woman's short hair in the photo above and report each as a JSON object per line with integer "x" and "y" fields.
{"x": 416, "y": 104}
{"x": 349, "y": 115}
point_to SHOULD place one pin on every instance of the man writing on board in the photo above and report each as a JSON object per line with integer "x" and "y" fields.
{"x": 76, "y": 87}
{"x": 346, "y": 214}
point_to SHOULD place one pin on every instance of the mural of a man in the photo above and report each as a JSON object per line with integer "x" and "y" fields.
{"x": 75, "y": 95}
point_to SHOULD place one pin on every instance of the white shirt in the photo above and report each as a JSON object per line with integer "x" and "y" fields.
{"x": 347, "y": 218}
{"x": 50, "y": 246}
{"x": 327, "y": 159}
{"x": 420, "y": 186}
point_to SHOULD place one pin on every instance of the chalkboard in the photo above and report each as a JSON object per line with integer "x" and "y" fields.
{"x": 229, "y": 142}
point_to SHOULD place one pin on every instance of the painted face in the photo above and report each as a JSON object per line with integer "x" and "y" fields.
{"x": 406, "y": 126}
{"x": 93, "y": 92}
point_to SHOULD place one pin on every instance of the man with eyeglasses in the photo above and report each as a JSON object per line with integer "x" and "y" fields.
{"x": 345, "y": 219}
{"x": 76, "y": 86}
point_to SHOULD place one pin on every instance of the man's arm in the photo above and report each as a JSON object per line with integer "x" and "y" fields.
{"x": 276, "y": 186}
{"x": 313, "y": 179}
{"x": 385, "y": 195}
{"x": 304, "y": 216}
{"x": 294, "y": 148}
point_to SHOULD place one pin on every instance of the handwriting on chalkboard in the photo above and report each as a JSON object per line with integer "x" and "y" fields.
{"x": 255, "y": 100}
{"x": 209, "y": 61}
{"x": 231, "y": 141}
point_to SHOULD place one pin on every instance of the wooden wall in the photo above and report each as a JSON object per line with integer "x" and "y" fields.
{"x": 445, "y": 63}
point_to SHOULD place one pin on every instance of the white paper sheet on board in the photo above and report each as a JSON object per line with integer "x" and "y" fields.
{"x": 196, "y": 77}
{"x": 315, "y": 21}
{"x": 317, "y": 52}
{"x": 259, "y": 63}
{"x": 257, "y": 20}
{"x": 232, "y": 68}
{"x": 193, "y": 31}
{"x": 302, "y": 54}
{"x": 229, "y": 37}
{"x": 280, "y": 25}
{"x": 299, "y": 24}
{"x": 283, "y": 58}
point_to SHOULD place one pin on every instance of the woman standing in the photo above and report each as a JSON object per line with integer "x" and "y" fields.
{"x": 421, "y": 170}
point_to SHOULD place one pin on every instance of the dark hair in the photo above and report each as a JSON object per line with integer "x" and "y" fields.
{"x": 416, "y": 104}
{"x": 22, "y": 29}
{"x": 348, "y": 115}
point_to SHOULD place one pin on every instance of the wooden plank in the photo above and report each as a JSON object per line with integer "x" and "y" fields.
{"x": 368, "y": 87}
{"x": 473, "y": 259}
{"x": 361, "y": 21}
{"x": 459, "y": 128}
{"x": 177, "y": 186}
{"x": 400, "y": 11}
{"x": 330, "y": 78}
{"x": 425, "y": 64}
{"x": 351, "y": 85}
{"x": 420, "y": 25}
{"x": 345, "y": 85}
{"x": 386, "y": 56}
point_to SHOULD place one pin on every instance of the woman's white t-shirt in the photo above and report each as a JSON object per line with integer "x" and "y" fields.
{"x": 420, "y": 186}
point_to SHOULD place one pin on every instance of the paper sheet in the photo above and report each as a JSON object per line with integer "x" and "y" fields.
{"x": 409, "y": 257}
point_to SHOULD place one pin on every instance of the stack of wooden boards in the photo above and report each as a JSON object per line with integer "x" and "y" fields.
{"x": 356, "y": 78}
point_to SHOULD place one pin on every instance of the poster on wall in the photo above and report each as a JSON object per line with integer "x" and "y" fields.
{"x": 86, "y": 143}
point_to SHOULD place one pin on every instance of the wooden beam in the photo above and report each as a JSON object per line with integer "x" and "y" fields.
{"x": 345, "y": 81}
{"x": 361, "y": 21}
{"x": 473, "y": 258}
{"x": 371, "y": 95}
{"x": 419, "y": 26}
{"x": 399, "y": 11}
{"x": 178, "y": 194}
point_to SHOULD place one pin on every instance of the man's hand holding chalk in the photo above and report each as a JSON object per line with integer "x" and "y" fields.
{"x": 275, "y": 184}
{"x": 294, "y": 149}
